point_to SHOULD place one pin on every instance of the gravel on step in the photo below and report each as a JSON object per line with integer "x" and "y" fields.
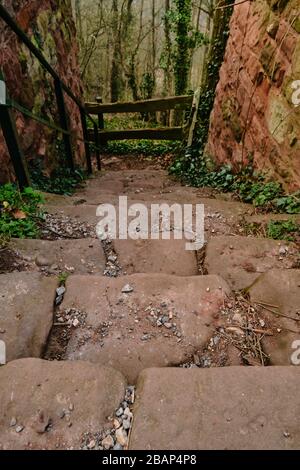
{"x": 60, "y": 227}
{"x": 116, "y": 434}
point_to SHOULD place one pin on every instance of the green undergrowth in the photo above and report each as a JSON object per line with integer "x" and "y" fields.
{"x": 283, "y": 230}
{"x": 287, "y": 230}
{"x": 61, "y": 181}
{"x": 142, "y": 147}
{"x": 19, "y": 212}
{"x": 249, "y": 185}
{"x": 128, "y": 121}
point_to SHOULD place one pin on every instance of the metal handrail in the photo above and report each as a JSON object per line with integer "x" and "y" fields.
{"x": 37, "y": 53}
{"x": 7, "y": 122}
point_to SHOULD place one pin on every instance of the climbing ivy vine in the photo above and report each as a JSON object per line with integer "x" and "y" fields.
{"x": 185, "y": 40}
{"x": 190, "y": 165}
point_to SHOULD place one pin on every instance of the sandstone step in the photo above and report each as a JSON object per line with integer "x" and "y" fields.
{"x": 241, "y": 260}
{"x": 279, "y": 291}
{"x": 52, "y": 405}
{"x": 69, "y": 222}
{"x": 233, "y": 408}
{"x": 26, "y": 313}
{"x": 84, "y": 256}
{"x": 134, "y": 179}
{"x": 156, "y": 256}
{"x": 81, "y": 221}
{"x": 139, "y": 321}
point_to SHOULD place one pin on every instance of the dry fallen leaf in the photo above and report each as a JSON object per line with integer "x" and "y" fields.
{"x": 19, "y": 215}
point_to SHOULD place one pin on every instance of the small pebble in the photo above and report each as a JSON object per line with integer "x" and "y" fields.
{"x": 91, "y": 444}
{"x": 126, "y": 424}
{"x": 60, "y": 291}
{"x": 119, "y": 412}
{"x": 13, "y": 422}
{"x": 117, "y": 424}
{"x": 118, "y": 447}
{"x": 121, "y": 437}
{"x": 19, "y": 428}
{"x": 42, "y": 261}
{"x": 127, "y": 289}
{"x": 108, "y": 443}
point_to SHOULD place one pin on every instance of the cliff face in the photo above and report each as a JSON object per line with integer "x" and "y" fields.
{"x": 255, "y": 115}
{"x": 50, "y": 25}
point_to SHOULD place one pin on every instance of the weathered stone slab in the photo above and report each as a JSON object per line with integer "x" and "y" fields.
{"x": 279, "y": 290}
{"x": 26, "y": 313}
{"x": 51, "y": 405}
{"x": 241, "y": 260}
{"x": 156, "y": 256}
{"x": 233, "y": 408}
{"x": 140, "y": 321}
{"x": 82, "y": 256}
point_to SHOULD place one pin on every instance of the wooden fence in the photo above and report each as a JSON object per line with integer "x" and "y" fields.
{"x": 186, "y": 102}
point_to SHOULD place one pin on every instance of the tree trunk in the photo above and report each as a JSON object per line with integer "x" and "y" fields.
{"x": 116, "y": 82}
{"x": 182, "y": 59}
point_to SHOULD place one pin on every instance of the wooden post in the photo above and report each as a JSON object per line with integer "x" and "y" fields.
{"x": 100, "y": 115}
{"x": 86, "y": 143}
{"x": 194, "y": 116}
{"x": 64, "y": 123}
{"x": 11, "y": 138}
{"x": 101, "y": 120}
{"x": 97, "y": 144}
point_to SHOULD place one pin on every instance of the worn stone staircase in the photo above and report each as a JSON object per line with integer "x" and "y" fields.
{"x": 130, "y": 354}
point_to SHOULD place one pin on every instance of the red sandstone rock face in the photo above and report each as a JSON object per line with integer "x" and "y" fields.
{"x": 254, "y": 116}
{"x": 50, "y": 25}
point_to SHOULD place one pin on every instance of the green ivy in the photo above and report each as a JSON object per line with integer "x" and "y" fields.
{"x": 248, "y": 185}
{"x": 282, "y": 230}
{"x": 193, "y": 166}
{"x": 142, "y": 147}
{"x": 62, "y": 180}
{"x": 186, "y": 40}
{"x": 19, "y": 212}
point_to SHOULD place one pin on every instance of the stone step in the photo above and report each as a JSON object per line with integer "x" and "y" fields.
{"x": 241, "y": 260}
{"x": 156, "y": 256}
{"x": 84, "y": 256}
{"x": 279, "y": 292}
{"x": 26, "y": 313}
{"x": 55, "y": 405}
{"x": 138, "y": 321}
{"x": 234, "y": 408}
{"x": 221, "y": 218}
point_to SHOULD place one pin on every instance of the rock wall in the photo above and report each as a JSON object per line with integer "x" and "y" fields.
{"x": 50, "y": 25}
{"x": 255, "y": 116}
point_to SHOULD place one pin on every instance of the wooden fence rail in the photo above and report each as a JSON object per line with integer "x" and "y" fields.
{"x": 146, "y": 106}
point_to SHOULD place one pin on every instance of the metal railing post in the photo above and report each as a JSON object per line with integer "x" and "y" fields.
{"x": 64, "y": 122}
{"x": 10, "y": 134}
